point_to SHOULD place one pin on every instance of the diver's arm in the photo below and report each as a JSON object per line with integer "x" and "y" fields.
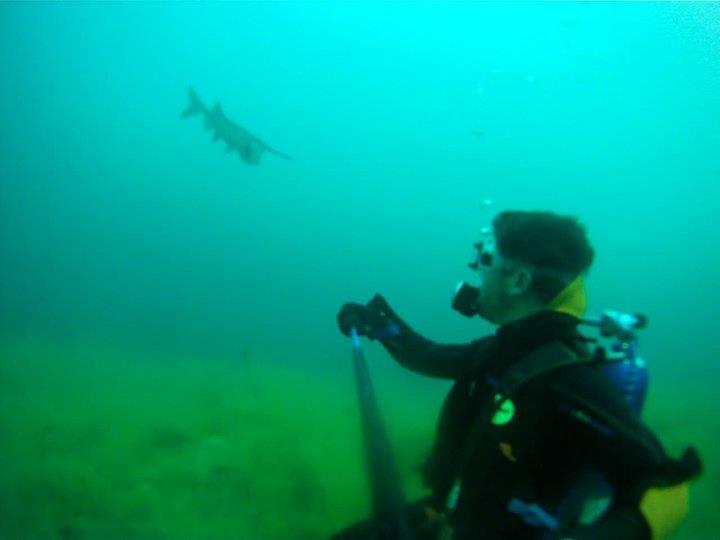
{"x": 419, "y": 354}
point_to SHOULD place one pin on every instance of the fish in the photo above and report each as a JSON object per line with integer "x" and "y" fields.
{"x": 237, "y": 138}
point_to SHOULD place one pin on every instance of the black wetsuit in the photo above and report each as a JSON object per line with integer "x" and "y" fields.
{"x": 566, "y": 422}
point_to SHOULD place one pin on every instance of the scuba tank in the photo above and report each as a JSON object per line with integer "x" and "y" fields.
{"x": 621, "y": 362}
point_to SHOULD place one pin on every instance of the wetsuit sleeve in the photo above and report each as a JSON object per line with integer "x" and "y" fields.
{"x": 426, "y": 357}
{"x": 419, "y": 354}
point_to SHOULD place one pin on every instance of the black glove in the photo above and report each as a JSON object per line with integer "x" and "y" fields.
{"x": 367, "y": 320}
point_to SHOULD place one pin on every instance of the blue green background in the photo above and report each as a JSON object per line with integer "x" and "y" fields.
{"x": 170, "y": 364}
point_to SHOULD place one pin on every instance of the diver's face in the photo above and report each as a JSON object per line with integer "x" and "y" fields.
{"x": 498, "y": 282}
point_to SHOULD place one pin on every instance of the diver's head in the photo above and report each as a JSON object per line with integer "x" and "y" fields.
{"x": 527, "y": 260}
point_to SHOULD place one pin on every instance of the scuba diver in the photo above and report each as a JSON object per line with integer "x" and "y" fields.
{"x": 540, "y": 435}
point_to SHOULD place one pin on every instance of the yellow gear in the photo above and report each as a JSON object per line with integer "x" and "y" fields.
{"x": 664, "y": 508}
{"x": 572, "y": 299}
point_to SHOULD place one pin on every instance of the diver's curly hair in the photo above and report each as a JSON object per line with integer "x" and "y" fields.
{"x": 546, "y": 241}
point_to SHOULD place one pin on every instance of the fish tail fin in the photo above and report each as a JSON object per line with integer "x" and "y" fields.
{"x": 195, "y": 106}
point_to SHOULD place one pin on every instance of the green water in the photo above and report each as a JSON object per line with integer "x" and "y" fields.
{"x": 170, "y": 364}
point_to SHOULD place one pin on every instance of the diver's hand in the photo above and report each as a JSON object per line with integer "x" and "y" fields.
{"x": 378, "y": 303}
{"x": 367, "y": 320}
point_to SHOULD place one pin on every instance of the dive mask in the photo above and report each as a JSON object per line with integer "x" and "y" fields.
{"x": 466, "y": 297}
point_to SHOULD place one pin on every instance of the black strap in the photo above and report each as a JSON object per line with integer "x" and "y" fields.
{"x": 548, "y": 357}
